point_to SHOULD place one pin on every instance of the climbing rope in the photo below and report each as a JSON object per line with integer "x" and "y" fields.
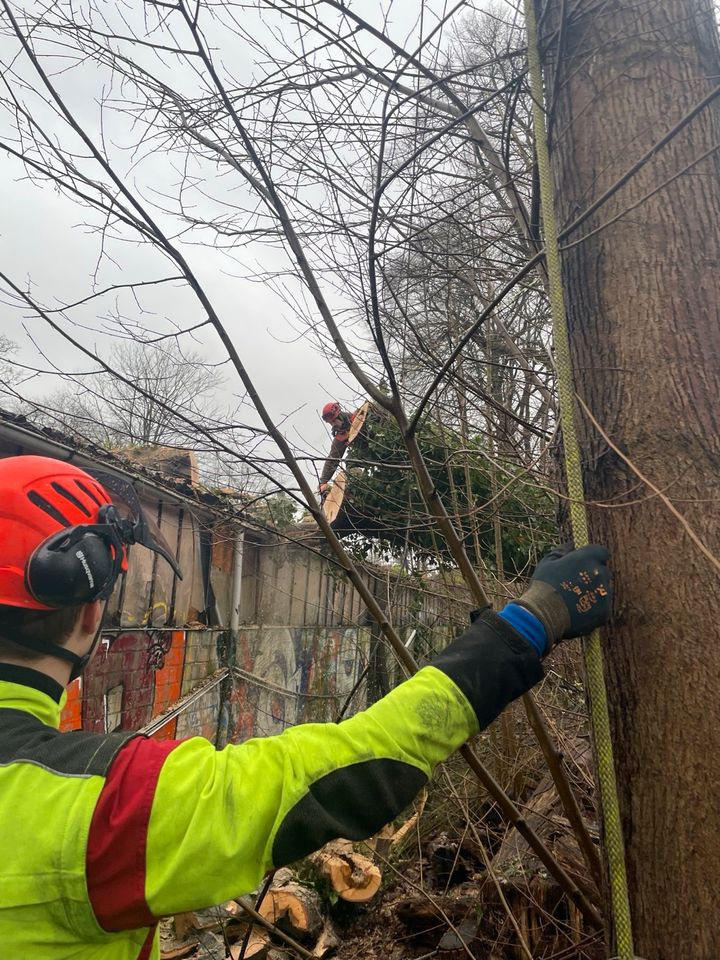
{"x": 599, "y": 715}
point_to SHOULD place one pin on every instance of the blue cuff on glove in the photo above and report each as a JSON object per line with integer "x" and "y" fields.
{"x": 527, "y": 625}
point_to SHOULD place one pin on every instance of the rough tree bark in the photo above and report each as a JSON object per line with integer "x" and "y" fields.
{"x": 643, "y": 300}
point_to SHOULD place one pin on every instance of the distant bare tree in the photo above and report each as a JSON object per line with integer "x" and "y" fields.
{"x": 9, "y": 373}
{"x": 113, "y": 412}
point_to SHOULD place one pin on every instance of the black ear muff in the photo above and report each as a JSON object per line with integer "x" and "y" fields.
{"x": 74, "y": 566}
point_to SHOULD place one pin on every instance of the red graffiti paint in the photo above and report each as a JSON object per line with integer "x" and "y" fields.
{"x": 168, "y": 683}
{"x": 71, "y": 716}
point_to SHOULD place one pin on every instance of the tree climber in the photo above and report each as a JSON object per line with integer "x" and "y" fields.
{"x": 102, "y": 834}
{"x": 340, "y": 422}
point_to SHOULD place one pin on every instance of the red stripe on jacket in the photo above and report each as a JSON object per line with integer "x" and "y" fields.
{"x": 117, "y": 841}
{"x": 147, "y": 946}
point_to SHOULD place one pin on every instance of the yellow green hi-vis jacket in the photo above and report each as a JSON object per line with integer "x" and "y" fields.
{"x": 102, "y": 834}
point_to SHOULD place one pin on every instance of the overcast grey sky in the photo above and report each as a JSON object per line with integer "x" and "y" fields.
{"x": 45, "y": 241}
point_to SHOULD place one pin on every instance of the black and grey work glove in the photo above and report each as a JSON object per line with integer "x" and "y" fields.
{"x": 570, "y": 591}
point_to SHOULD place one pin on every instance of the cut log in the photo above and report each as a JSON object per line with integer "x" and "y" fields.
{"x": 336, "y": 494}
{"x": 209, "y": 918}
{"x": 358, "y": 423}
{"x": 294, "y": 909}
{"x": 351, "y": 875}
{"x": 282, "y": 876}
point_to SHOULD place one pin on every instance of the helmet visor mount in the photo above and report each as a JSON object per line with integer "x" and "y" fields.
{"x": 127, "y": 522}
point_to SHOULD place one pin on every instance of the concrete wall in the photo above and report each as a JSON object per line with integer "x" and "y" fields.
{"x": 298, "y": 586}
{"x": 304, "y": 644}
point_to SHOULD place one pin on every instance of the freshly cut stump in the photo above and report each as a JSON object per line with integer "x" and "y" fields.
{"x": 294, "y": 909}
{"x": 351, "y": 875}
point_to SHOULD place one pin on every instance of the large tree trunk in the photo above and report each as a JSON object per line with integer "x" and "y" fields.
{"x": 643, "y": 301}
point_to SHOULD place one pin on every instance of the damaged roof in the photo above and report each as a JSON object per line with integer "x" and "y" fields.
{"x": 19, "y": 434}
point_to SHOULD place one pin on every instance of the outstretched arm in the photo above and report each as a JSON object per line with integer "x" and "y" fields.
{"x": 185, "y": 825}
{"x": 337, "y": 452}
{"x": 196, "y": 826}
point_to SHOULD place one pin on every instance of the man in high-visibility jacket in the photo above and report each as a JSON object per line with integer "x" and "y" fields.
{"x": 102, "y": 834}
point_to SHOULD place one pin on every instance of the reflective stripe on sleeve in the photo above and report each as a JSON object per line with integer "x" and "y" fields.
{"x": 117, "y": 841}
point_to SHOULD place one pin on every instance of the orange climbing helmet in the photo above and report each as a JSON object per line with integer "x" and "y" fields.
{"x": 63, "y": 536}
{"x": 331, "y": 411}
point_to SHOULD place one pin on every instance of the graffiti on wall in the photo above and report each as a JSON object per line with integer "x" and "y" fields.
{"x": 135, "y": 676}
{"x": 286, "y": 675}
{"x": 289, "y": 675}
{"x": 201, "y": 719}
{"x": 266, "y": 701}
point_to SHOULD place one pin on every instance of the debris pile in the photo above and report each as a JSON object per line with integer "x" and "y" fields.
{"x": 293, "y": 914}
{"x": 448, "y": 893}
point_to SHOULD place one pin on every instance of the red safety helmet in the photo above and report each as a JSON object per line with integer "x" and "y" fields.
{"x": 63, "y": 539}
{"x": 39, "y": 497}
{"x": 331, "y": 411}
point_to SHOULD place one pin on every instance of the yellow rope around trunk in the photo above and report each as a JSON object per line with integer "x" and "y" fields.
{"x": 592, "y": 651}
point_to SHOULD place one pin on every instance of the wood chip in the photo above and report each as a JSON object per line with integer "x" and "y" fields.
{"x": 184, "y": 950}
{"x": 257, "y": 945}
{"x": 328, "y": 941}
